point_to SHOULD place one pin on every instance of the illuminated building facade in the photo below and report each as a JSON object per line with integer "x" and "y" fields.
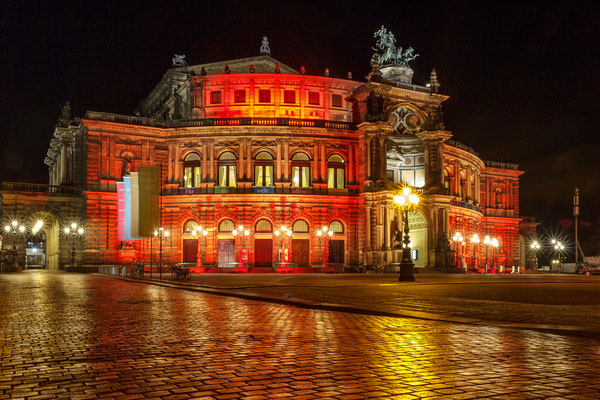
{"x": 254, "y": 143}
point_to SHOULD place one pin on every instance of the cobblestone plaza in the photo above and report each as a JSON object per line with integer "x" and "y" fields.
{"x": 86, "y": 336}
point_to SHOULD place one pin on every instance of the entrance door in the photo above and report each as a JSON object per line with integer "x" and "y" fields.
{"x": 263, "y": 252}
{"x": 190, "y": 250}
{"x": 336, "y": 252}
{"x": 226, "y": 252}
{"x": 300, "y": 252}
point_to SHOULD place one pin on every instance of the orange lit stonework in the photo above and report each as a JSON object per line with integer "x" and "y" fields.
{"x": 240, "y": 144}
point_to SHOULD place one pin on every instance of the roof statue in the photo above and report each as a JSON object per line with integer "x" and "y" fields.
{"x": 179, "y": 60}
{"x": 264, "y": 48}
{"x": 65, "y": 111}
{"x": 386, "y": 51}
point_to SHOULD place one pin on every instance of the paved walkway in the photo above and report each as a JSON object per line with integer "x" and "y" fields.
{"x": 85, "y": 337}
{"x": 560, "y": 303}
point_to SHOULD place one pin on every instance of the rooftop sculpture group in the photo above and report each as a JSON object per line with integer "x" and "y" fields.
{"x": 386, "y": 51}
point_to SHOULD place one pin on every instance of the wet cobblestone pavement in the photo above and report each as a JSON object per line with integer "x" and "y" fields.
{"x": 85, "y": 337}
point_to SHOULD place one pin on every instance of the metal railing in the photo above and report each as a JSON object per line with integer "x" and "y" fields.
{"x": 35, "y": 188}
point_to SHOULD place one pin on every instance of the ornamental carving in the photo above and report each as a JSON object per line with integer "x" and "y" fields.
{"x": 263, "y": 143}
{"x": 190, "y": 144}
{"x": 405, "y": 121}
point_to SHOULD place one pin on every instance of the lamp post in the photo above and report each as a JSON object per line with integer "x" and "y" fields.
{"x": 475, "y": 244}
{"x": 14, "y": 228}
{"x": 558, "y": 249}
{"x": 535, "y": 246}
{"x": 160, "y": 233}
{"x": 407, "y": 201}
{"x": 458, "y": 241}
{"x": 243, "y": 233}
{"x": 487, "y": 241}
{"x": 281, "y": 233}
{"x": 199, "y": 234}
{"x": 73, "y": 231}
{"x": 324, "y": 233}
{"x": 495, "y": 245}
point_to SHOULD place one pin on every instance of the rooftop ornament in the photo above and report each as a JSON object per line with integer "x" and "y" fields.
{"x": 386, "y": 51}
{"x": 392, "y": 60}
{"x": 179, "y": 60}
{"x": 264, "y": 48}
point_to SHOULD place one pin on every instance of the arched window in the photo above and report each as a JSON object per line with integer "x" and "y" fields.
{"x": 263, "y": 169}
{"x": 336, "y": 227}
{"x": 300, "y": 170}
{"x": 300, "y": 226}
{"x": 264, "y": 225}
{"x": 226, "y": 226}
{"x": 227, "y": 169}
{"x": 336, "y": 172}
{"x": 191, "y": 170}
{"x": 190, "y": 226}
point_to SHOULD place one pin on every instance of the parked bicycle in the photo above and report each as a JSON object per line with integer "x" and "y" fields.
{"x": 180, "y": 273}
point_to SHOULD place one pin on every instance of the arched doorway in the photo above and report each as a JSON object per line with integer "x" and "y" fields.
{"x": 417, "y": 224}
{"x": 263, "y": 243}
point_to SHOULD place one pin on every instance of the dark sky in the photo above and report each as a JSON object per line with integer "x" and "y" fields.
{"x": 523, "y": 77}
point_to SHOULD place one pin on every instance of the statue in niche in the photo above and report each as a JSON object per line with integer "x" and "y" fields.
{"x": 498, "y": 197}
{"x": 126, "y": 168}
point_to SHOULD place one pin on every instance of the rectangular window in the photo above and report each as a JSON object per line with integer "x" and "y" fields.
{"x": 187, "y": 177}
{"x": 232, "y": 170}
{"x": 196, "y": 176}
{"x": 313, "y": 98}
{"x": 268, "y": 175}
{"x": 264, "y": 96}
{"x": 336, "y": 100}
{"x": 340, "y": 181}
{"x": 258, "y": 175}
{"x": 289, "y": 96}
{"x": 239, "y": 96}
{"x": 419, "y": 178}
{"x": 390, "y": 175}
{"x": 408, "y": 177}
{"x": 222, "y": 175}
{"x": 300, "y": 176}
{"x": 215, "y": 97}
{"x": 331, "y": 178}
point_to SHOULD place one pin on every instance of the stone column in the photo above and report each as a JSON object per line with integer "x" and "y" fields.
{"x": 350, "y": 162}
{"x": 212, "y": 159}
{"x": 386, "y": 227}
{"x": 242, "y": 164}
{"x": 204, "y": 173}
{"x": 286, "y": 159}
{"x": 368, "y": 142}
{"x": 249, "y": 172}
{"x": 278, "y": 161}
{"x": 323, "y": 162}
{"x": 315, "y": 162}
{"x": 63, "y": 163}
{"x": 434, "y": 157}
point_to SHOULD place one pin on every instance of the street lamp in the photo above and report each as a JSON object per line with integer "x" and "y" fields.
{"x": 324, "y": 234}
{"x": 475, "y": 244}
{"x": 458, "y": 241}
{"x": 243, "y": 233}
{"x": 282, "y": 232}
{"x": 495, "y": 245}
{"x": 160, "y": 233}
{"x": 558, "y": 249}
{"x": 73, "y": 231}
{"x": 487, "y": 241}
{"x": 199, "y": 234}
{"x": 15, "y": 229}
{"x": 535, "y": 246}
{"x": 407, "y": 201}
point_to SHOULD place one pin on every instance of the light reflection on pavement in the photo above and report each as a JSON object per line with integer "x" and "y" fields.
{"x": 84, "y": 336}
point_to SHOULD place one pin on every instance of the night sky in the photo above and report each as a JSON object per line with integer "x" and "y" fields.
{"x": 523, "y": 77}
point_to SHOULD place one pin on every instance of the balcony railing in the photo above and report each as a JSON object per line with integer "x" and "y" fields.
{"x": 35, "y": 188}
{"x": 463, "y": 204}
{"x": 131, "y": 120}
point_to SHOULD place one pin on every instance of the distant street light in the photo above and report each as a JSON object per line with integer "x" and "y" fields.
{"x": 160, "y": 233}
{"x": 73, "y": 231}
{"x": 199, "y": 234}
{"x": 458, "y": 242}
{"x": 535, "y": 247}
{"x": 281, "y": 233}
{"x": 475, "y": 244}
{"x": 324, "y": 234}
